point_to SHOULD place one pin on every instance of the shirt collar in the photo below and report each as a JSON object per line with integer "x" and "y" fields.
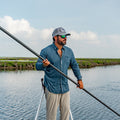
{"x": 55, "y": 47}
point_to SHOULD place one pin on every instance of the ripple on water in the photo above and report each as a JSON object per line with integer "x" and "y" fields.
{"x": 20, "y": 93}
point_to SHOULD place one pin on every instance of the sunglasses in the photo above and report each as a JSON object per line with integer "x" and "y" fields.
{"x": 63, "y": 36}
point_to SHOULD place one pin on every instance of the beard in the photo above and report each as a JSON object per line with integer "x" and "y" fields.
{"x": 61, "y": 42}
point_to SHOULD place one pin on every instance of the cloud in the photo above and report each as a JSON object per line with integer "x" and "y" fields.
{"x": 114, "y": 37}
{"x": 21, "y": 29}
{"x": 89, "y": 36}
{"x": 46, "y": 33}
{"x": 38, "y": 39}
{"x": 15, "y": 26}
{"x": 110, "y": 40}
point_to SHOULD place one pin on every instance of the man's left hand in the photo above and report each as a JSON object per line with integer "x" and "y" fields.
{"x": 80, "y": 84}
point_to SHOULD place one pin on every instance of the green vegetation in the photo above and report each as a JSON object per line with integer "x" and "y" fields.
{"x": 92, "y": 62}
{"x": 28, "y": 63}
{"x": 17, "y": 63}
{"x": 18, "y": 58}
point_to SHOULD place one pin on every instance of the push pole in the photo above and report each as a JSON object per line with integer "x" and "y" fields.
{"x": 20, "y": 42}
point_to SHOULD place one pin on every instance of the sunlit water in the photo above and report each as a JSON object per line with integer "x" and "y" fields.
{"x": 20, "y": 93}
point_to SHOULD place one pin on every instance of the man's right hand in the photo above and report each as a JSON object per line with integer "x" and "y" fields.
{"x": 46, "y": 62}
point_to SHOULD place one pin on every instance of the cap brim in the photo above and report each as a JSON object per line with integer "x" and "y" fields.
{"x": 68, "y": 34}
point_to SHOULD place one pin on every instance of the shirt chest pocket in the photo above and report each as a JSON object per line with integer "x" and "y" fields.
{"x": 66, "y": 60}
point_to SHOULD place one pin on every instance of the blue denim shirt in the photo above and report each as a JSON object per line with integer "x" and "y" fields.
{"x": 53, "y": 80}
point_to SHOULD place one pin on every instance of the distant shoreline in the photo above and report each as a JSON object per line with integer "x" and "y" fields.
{"x": 28, "y": 63}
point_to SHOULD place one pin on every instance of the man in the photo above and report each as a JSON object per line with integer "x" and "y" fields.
{"x": 56, "y": 85}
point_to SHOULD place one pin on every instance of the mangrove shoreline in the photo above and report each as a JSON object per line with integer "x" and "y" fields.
{"x": 28, "y": 63}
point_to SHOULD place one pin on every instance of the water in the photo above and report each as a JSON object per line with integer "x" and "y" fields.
{"x": 20, "y": 92}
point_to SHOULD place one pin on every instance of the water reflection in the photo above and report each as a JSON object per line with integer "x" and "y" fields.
{"x": 20, "y": 93}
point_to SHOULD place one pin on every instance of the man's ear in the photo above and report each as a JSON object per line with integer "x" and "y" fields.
{"x": 55, "y": 37}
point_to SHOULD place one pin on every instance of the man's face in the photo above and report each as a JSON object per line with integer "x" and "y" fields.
{"x": 61, "y": 40}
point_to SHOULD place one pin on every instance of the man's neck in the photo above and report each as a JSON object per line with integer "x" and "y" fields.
{"x": 58, "y": 46}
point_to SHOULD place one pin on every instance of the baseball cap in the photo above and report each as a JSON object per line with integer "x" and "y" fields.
{"x": 60, "y": 31}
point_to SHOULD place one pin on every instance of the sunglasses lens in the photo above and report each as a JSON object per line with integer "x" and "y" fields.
{"x": 63, "y": 36}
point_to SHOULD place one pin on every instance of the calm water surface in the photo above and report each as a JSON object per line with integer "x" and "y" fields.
{"x": 20, "y": 92}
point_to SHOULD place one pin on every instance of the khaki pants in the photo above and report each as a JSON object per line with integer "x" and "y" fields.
{"x": 55, "y": 100}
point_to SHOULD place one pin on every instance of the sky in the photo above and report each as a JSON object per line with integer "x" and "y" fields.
{"x": 94, "y": 26}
